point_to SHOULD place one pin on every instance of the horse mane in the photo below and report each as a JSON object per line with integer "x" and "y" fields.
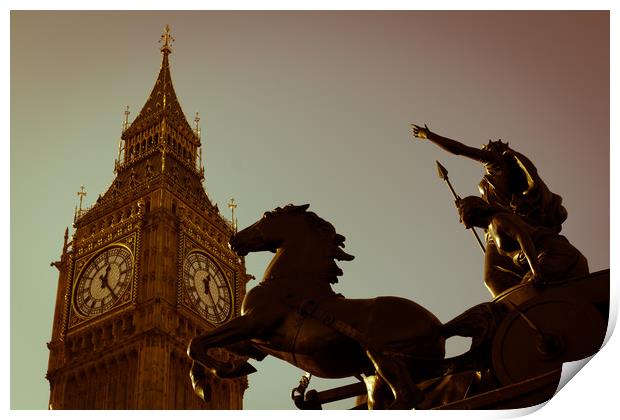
{"x": 334, "y": 240}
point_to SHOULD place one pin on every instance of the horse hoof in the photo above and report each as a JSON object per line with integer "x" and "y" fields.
{"x": 203, "y": 392}
{"x": 200, "y": 383}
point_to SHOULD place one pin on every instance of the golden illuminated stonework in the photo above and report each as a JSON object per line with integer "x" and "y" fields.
{"x": 146, "y": 269}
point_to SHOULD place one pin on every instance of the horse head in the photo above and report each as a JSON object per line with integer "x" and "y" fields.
{"x": 290, "y": 225}
{"x": 268, "y": 233}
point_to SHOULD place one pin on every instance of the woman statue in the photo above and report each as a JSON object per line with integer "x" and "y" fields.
{"x": 510, "y": 182}
{"x": 540, "y": 253}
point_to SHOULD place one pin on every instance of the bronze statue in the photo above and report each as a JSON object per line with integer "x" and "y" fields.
{"x": 294, "y": 314}
{"x": 511, "y": 182}
{"x": 542, "y": 254}
{"x": 395, "y": 346}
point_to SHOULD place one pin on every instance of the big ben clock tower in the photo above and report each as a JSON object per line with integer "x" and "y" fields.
{"x": 148, "y": 267}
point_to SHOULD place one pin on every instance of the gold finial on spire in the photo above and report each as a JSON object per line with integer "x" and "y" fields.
{"x": 197, "y": 128}
{"x": 233, "y": 205}
{"x": 197, "y": 132}
{"x": 167, "y": 40}
{"x": 126, "y": 122}
{"x": 120, "y": 141}
{"x": 78, "y": 211}
{"x": 66, "y": 242}
{"x": 81, "y": 193}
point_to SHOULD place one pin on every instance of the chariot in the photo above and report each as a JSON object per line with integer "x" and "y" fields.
{"x": 532, "y": 333}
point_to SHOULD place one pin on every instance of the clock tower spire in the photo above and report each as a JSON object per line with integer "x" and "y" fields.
{"x": 133, "y": 286}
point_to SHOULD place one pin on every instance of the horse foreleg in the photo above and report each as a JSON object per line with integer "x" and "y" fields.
{"x": 199, "y": 374}
{"x": 238, "y": 329}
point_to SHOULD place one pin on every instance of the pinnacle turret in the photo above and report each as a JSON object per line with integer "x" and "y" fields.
{"x": 161, "y": 124}
{"x": 162, "y": 102}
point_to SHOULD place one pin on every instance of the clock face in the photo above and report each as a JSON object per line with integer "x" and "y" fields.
{"x": 103, "y": 281}
{"x": 207, "y": 288}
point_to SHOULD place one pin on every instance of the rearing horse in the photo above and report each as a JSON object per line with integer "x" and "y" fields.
{"x": 294, "y": 315}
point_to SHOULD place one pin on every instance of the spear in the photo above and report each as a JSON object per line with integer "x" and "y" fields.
{"x": 443, "y": 174}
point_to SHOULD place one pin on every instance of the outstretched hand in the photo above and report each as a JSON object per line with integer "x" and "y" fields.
{"x": 420, "y": 132}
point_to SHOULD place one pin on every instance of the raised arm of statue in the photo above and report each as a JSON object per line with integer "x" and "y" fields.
{"x": 453, "y": 146}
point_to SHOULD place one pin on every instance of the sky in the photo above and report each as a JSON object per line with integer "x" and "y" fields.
{"x": 309, "y": 107}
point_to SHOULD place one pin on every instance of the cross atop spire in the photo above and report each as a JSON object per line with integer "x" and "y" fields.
{"x": 167, "y": 40}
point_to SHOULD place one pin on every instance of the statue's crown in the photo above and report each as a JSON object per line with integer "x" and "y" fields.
{"x": 498, "y": 145}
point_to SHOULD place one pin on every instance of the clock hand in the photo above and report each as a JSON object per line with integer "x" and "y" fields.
{"x": 104, "y": 282}
{"x": 206, "y": 281}
{"x": 104, "y": 278}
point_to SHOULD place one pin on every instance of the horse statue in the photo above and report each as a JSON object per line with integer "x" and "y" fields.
{"x": 294, "y": 315}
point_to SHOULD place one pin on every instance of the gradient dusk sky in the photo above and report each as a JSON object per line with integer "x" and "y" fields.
{"x": 309, "y": 107}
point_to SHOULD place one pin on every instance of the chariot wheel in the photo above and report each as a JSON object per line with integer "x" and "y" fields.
{"x": 540, "y": 334}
